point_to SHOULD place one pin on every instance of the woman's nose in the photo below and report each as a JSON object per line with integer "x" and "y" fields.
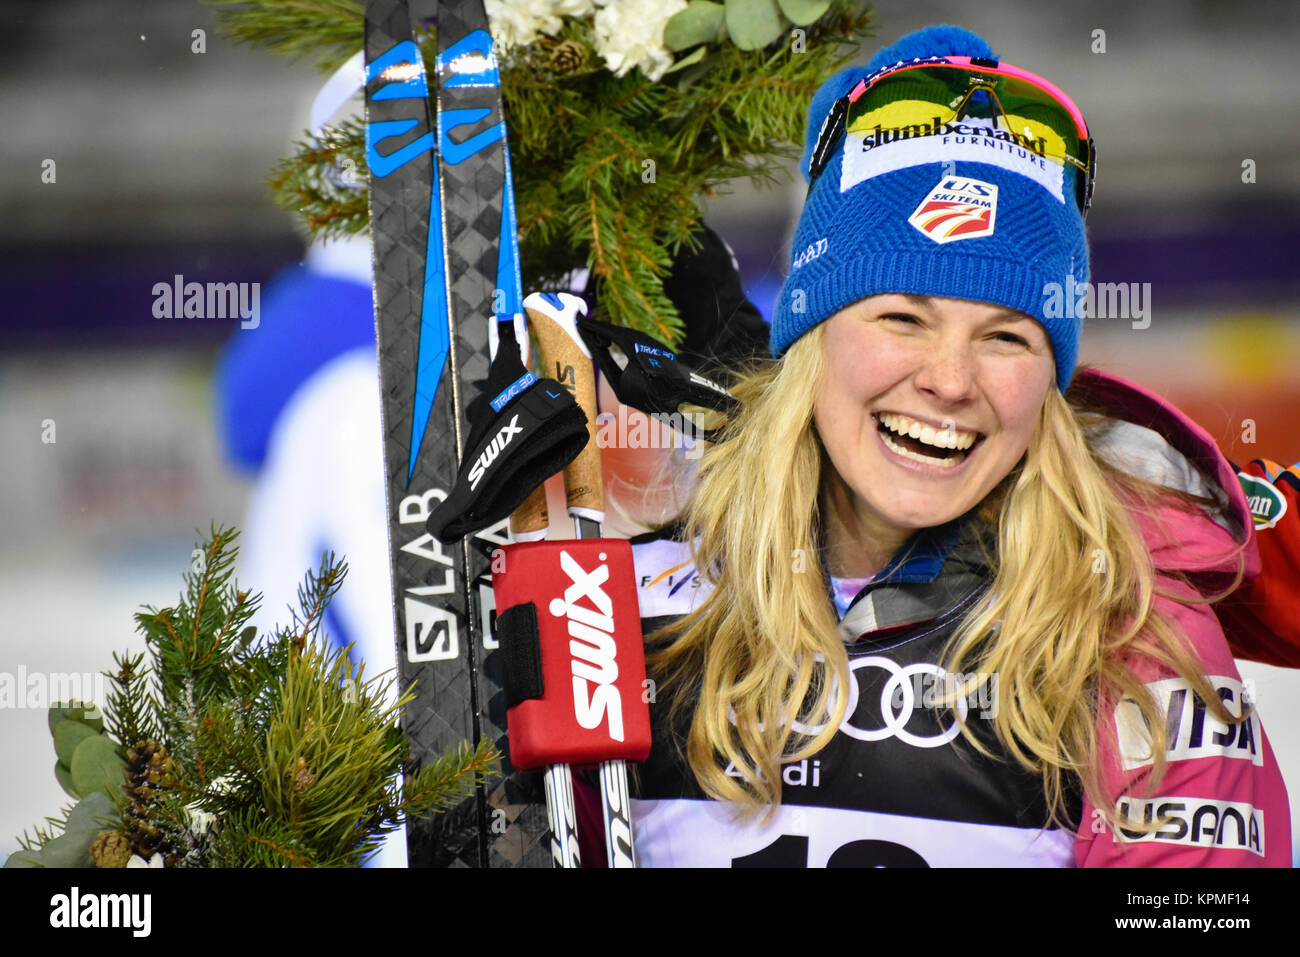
{"x": 948, "y": 371}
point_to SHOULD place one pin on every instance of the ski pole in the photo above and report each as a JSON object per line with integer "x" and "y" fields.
{"x": 525, "y": 430}
{"x": 568, "y": 626}
{"x": 553, "y": 317}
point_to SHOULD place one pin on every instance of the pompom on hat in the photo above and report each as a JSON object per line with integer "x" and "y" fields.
{"x": 861, "y": 231}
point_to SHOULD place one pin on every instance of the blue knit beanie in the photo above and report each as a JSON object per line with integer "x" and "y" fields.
{"x": 881, "y": 219}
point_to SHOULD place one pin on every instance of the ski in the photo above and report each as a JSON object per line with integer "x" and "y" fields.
{"x": 446, "y": 268}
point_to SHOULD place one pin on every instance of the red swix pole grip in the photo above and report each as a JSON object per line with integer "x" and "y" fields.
{"x": 589, "y": 653}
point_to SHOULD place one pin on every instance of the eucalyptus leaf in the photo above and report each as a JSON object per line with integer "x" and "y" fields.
{"x": 22, "y": 858}
{"x": 753, "y": 24}
{"x": 804, "y": 12}
{"x": 57, "y": 713}
{"x": 93, "y": 814}
{"x": 699, "y": 23}
{"x": 75, "y": 711}
{"x": 688, "y": 60}
{"x": 67, "y": 850}
{"x": 64, "y": 777}
{"x": 68, "y": 735}
{"x": 95, "y": 766}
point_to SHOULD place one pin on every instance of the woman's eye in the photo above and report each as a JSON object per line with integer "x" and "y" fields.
{"x": 1011, "y": 337}
{"x": 909, "y": 320}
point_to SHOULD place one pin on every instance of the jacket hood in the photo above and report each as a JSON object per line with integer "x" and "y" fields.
{"x": 1150, "y": 438}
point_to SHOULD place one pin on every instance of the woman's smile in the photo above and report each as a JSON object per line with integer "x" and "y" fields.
{"x": 925, "y": 405}
{"x": 920, "y": 445}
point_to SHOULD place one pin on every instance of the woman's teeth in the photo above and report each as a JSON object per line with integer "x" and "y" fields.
{"x": 949, "y": 438}
{"x": 914, "y": 439}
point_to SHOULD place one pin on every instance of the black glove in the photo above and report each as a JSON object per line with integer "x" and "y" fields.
{"x": 723, "y": 328}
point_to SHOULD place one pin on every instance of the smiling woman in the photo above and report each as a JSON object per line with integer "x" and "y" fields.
{"x": 953, "y": 598}
{"x": 907, "y": 376}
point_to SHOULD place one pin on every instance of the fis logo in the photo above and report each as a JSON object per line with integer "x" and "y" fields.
{"x": 957, "y": 208}
{"x": 591, "y": 645}
{"x": 489, "y": 454}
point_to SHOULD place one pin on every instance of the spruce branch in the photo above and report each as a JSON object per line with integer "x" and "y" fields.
{"x": 314, "y": 594}
{"x": 324, "y": 181}
{"x": 190, "y": 642}
{"x": 40, "y": 836}
{"x": 326, "y": 32}
{"x": 253, "y": 751}
{"x": 446, "y": 781}
{"x": 129, "y": 714}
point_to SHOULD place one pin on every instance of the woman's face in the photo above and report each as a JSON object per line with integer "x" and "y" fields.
{"x": 927, "y": 404}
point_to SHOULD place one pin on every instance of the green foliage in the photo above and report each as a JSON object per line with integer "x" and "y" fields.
{"x": 88, "y": 768}
{"x": 700, "y": 22}
{"x": 192, "y": 643}
{"x": 322, "y": 180}
{"x": 66, "y": 842}
{"x": 85, "y": 712}
{"x": 67, "y": 735}
{"x": 131, "y": 705}
{"x": 608, "y": 171}
{"x": 244, "y": 752}
{"x": 326, "y": 32}
{"x": 96, "y": 766}
{"x": 64, "y": 776}
{"x": 753, "y": 24}
{"x": 803, "y": 12}
{"x": 87, "y": 757}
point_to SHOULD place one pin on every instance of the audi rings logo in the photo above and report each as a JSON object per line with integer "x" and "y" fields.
{"x": 907, "y": 689}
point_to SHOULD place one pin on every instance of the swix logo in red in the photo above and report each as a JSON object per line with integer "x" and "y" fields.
{"x": 958, "y": 208}
{"x": 591, "y": 645}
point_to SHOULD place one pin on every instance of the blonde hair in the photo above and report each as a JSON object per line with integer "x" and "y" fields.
{"x": 760, "y": 653}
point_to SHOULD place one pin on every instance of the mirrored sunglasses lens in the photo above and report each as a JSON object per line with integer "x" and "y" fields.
{"x": 927, "y": 101}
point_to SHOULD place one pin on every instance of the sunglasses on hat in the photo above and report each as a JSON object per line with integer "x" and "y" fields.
{"x": 930, "y": 95}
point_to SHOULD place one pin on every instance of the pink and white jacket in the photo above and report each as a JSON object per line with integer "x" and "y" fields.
{"x": 899, "y": 786}
{"x": 1223, "y": 792}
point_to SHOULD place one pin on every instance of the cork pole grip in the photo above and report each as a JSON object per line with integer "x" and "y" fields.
{"x": 569, "y": 363}
{"x": 531, "y": 517}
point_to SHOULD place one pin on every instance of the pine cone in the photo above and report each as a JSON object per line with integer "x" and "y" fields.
{"x": 110, "y": 849}
{"x": 148, "y": 770}
{"x": 568, "y": 57}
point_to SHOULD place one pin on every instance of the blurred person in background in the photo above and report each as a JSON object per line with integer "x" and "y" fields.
{"x": 298, "y": 406}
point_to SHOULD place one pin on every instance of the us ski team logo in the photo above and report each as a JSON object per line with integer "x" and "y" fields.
{"x": 957, "y": 208}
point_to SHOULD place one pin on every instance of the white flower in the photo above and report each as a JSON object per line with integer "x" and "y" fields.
{"x": 154, "y": 863}
{"x": 574, "y": 8}
{"x": 520, "y": 22}
{"x": 199, "y": 819}
{"x": 630, "y": 34}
